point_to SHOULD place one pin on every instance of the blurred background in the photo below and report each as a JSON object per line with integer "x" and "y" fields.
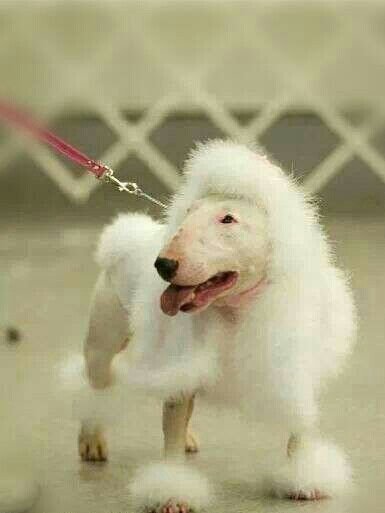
{"x": 134, "y": 84}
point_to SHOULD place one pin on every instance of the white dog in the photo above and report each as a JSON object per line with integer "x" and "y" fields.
{"x": 254, "y": 313}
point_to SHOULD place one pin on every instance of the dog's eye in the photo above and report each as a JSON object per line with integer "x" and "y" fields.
{"x": 228, "y": 219}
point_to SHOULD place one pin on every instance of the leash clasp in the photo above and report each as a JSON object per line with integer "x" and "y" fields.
{"x": 130, "y": 187}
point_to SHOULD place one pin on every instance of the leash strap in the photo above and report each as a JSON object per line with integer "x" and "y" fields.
{"x": 101, "y": 171}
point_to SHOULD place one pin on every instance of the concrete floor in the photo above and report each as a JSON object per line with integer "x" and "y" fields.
{"x": 48, "y": 276}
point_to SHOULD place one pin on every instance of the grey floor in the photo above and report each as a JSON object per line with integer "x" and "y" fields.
{"x": 47, "y": 280}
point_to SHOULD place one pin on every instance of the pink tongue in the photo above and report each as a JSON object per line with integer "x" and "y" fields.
{"x": 174, "y": 297}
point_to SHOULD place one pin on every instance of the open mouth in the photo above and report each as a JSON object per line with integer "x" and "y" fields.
{"x": 190, "y": 298}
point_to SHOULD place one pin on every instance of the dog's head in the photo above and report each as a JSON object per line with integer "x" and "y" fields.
{"x": 219, "y": 251}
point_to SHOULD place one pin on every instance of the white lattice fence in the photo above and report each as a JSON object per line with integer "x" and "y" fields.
{"x": 212, "y": 57}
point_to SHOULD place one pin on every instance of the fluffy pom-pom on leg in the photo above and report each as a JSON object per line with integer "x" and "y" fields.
{"x": 170, "y": 487}
{"x": 315, "y": 469}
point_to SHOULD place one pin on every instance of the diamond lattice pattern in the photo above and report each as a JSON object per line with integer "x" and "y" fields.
{"x": 227, "y": 61}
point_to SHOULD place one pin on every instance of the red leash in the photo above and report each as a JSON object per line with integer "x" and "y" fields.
{"x": 101, "y": 171}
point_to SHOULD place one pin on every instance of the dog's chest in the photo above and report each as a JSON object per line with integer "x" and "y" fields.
{"x": 243, "y": 377}
{"x": 223, "y": 330}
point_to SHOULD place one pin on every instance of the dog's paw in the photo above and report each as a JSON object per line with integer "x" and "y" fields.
{"x": 316, "y": 470}
{"x": 192, "y": 444}
{"x": 169, "y": 487}
{"x": 92, "y": 446}
{"x": 306, "y": 494}
{"x": 170, "y": 506}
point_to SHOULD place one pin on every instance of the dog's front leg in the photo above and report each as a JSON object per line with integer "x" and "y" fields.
{"x": 172, "y": 486}
{"x": 176, "y": 415}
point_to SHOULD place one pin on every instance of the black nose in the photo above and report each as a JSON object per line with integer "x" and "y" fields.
{"x": 166, "y": 267}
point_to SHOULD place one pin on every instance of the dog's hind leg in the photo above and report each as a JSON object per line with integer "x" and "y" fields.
{"x": 107, "y": 335}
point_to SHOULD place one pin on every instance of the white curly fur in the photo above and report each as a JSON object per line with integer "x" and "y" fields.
{"x": 156, "y": 483}
{"x": 127, "y": 246}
